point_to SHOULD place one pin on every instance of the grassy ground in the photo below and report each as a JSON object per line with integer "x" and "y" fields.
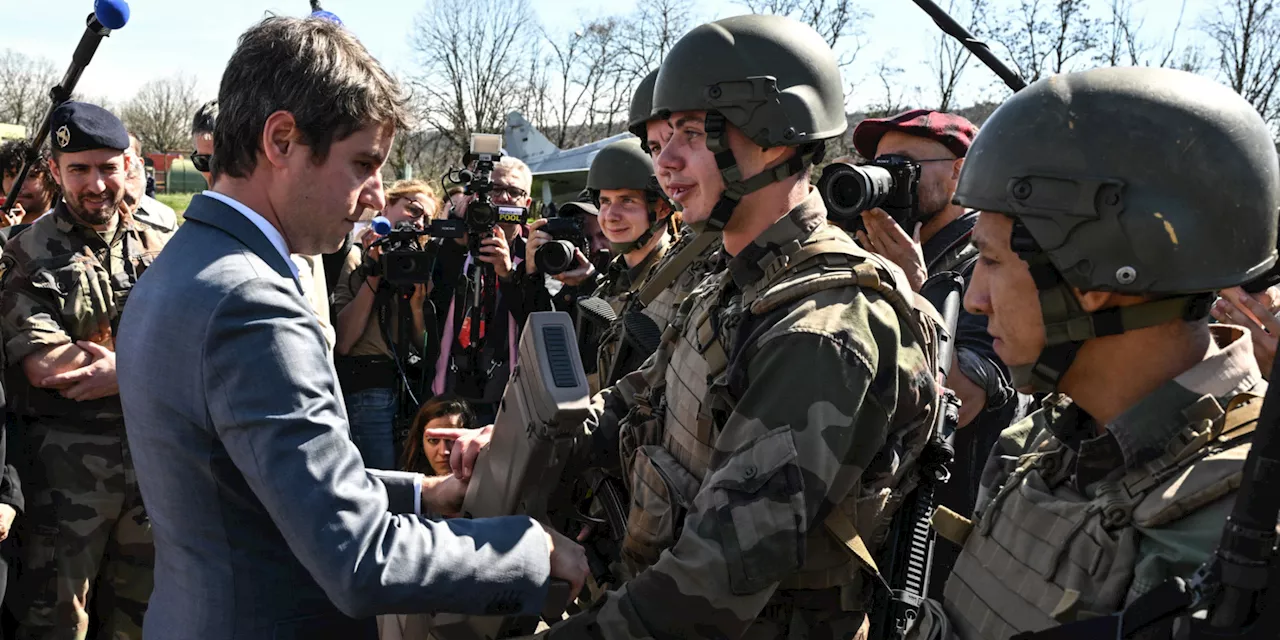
{"x": 176, "y": 201}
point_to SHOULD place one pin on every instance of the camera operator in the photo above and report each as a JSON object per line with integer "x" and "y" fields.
{"x": 38, "y": 194}
{"x": 480, "y": 375}
{"x": 640, "y": 224}
{"x": 937, "y": 142}
{"x": 368, "y": 310}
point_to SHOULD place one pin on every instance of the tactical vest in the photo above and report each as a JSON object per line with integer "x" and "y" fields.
{"x": 1041, "y": 554}
{"x": 667, "y": 438}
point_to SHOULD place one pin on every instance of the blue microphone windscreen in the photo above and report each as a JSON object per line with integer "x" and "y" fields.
{"x": 112, "y": 14}
{"x": 326, "y": 15}
{"x": 381, "y": 226}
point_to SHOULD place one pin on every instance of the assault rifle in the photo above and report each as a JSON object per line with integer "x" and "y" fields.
{"x": 908, "y": 560}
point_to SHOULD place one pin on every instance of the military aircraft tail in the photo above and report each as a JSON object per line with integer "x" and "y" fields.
{"x": 524, "y": 141}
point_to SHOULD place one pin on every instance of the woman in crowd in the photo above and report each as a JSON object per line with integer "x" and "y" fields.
{"x": 378, "y": 326}
{"x": 429, "y": 455}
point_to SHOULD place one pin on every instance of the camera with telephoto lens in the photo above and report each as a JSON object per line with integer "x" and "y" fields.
{"x": 481, "y": 214}
{"x": 404, "y": 261}
{"x": 558, "y": 255}
{"x": 889, "y": 182}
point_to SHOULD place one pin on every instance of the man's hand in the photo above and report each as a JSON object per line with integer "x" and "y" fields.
{"x": 886, "y": 238}
{"x": 536, "y": 239}
{"x": 466, "y": 447}
{"x": 575, "y": 277}
{"x": 90, "y": 382}
{"x": 444, "y": 494}
{"x": 419, "y": 296}
{"x": 10, "y": 218}
{"x": 7, "y": 516}
{"x": 1255, "y": 313}
{"x": 494, "y": 251}
{"x": 568, "y": 561}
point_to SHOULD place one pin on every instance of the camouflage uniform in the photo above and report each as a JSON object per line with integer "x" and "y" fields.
{"x": 735, "y": 468}
{"x": 63, "y": 281}
{"x": 1058, "y": 536}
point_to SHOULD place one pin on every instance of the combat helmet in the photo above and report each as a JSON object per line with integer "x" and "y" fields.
{"x": 1151, "y": 182}
{"x": 774, "y": 78}
{"x": 624, "y": 165}
{"x": 642, "y": 108}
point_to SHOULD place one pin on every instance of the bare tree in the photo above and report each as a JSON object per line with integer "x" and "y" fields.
{"x": 650, "y": 32}
{"x": 837, "y": 21}
{"x": 1047, "y": 36}
{"x": 894, "y": 98}
{"x": 1246, "y": 36}
{"x": 950, "y": 58}
{"x": 160, "y": 114}
{"x": 592, "y": 88}
{"x": 1127, "y": 42}
{"x": 474, "y": 56}
{"x": 24, "y": 88}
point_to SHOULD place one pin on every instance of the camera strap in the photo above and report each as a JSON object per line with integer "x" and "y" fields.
{"x": 735, "y": 187}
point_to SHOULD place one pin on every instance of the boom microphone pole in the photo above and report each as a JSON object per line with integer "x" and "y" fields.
{"x": 979, "y": 48}
{"x": 108, "y": 15}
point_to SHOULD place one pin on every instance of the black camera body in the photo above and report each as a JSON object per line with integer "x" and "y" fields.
{"x": 404, "y": 261}
{"x": 557, "y": 256}
{"x": 889, "y": 182}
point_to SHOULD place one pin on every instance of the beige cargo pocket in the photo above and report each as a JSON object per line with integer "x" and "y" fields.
{"x": 662, "y": 491}
{"x": 759, "y": 509}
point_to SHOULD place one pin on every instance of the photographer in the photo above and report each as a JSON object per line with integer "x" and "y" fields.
{"x": 478, "y": 373}
{"x": 368, "y": 311}
{"x": 937, "y": 142}
{"x": 639, "y": 222}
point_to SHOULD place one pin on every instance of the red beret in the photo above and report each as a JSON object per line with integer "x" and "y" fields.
{"x": 952, "y": 131}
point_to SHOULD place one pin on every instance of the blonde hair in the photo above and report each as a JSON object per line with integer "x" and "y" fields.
{"x": 409, "y": 188}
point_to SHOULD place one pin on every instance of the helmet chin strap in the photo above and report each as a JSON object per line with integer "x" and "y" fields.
{"x": 735, "y": 187}
{"x": 1067, "y": 326}
{"x": 653, "y": 194}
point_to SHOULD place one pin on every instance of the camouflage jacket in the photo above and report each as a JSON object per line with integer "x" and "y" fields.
{"x": 822, "y": 394}
{"x": 52, "y": 293}
{"x": 1086, "y": 519}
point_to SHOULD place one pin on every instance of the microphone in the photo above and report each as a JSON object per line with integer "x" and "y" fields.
{"x": 112, "y": 14}
{"x": 317, "y": 12}
{"x": 381, "y": 226}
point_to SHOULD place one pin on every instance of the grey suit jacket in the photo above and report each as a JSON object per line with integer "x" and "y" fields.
{"x": 267, "y": 524}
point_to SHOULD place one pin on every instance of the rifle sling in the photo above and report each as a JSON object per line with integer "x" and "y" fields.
{"x": 672, "y": 269}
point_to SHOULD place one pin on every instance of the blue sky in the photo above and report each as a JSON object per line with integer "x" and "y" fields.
{"x": 196, "y": 37}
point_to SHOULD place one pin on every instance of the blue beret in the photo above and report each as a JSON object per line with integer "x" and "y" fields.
{"x": 80, "y": 126}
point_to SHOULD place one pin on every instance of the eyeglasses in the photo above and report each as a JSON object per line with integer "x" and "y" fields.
{"x": 513, "y": 193}
{"x": 201, "y": 160}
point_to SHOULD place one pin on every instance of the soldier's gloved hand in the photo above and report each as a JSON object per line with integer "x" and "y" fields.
{"x": 466, "y": 447}
{"x": 7, "y": 516}
{"x": 90, "y": 306}
{"x": 90, "y": 382}
{"x": 886, "y": 238}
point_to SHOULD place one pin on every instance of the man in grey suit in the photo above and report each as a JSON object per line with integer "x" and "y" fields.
{"x": 267, "y": 524}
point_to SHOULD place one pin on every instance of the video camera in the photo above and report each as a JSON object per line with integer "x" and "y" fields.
{"x": 557, "y": 256}
{"x": 889, "y": 182}
{"x": 481, "y": 214}
{"x": 404, "y": 261}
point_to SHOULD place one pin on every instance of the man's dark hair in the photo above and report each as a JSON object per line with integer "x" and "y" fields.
{"x": 312, "y": 68}
{"x": 14, "y": 153}
{"x": 205, "y": 119}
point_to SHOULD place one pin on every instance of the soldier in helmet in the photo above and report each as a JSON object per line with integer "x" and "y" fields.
{"x": 764, "y": 439}
{"x": 1098, "y": 264}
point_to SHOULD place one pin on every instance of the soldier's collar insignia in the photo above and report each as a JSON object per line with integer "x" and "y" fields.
{"x": 64, "y": 136}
